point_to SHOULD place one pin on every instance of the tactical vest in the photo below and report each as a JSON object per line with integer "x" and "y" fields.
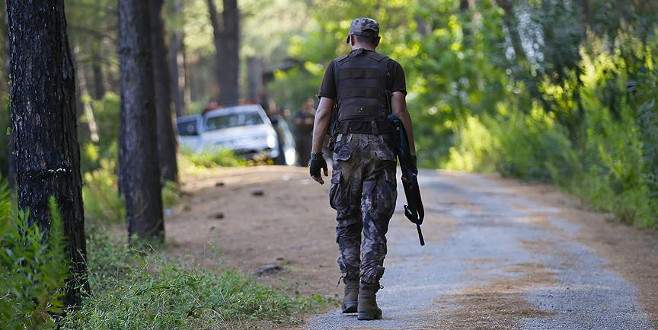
{"x": 363, "y": 96}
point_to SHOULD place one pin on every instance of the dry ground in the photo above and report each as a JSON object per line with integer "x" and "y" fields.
{"x": 248, "y": 218}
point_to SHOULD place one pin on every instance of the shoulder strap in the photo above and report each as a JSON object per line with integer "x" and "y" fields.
{"x": 334, "y": 114}
{"x": 342, "y": 58}
{"x": 377, "y": 56}
{"x": 336, "y": 62}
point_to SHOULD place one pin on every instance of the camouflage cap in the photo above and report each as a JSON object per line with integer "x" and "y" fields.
{"x": 363, "y": 26}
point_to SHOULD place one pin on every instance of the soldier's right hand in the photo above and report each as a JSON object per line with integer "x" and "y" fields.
{"x": 316, "y": 164}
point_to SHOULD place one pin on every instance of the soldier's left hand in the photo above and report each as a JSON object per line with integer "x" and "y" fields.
{"x": 316, "y": 164}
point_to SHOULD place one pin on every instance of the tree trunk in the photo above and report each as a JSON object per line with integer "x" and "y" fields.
{"x": 521, "y": 68}
{"x": 177, "y": 64}
{"x": 83, "y": 105}
{"x": 509, "y": 19}
{"x": 586, "y": 15}
{"x": 177, "y": 70}
{"x": 4, "y": 91}
{"x": 187, "y": 83}
{"x": 4, "y": 77}
{"x": 464, "y": 8}
{"x": 43, "y": 119}
{"x": 97, "y": 72}
{"x": 165, "y": 125}
{"x": 139, "y": 173}
{"x": 229, "y": 82}
{"x": 255, "y": 79}
{"x": 84, "y": 133}
{"x": 227, "y": 49}
{"x": 463, "y": 5}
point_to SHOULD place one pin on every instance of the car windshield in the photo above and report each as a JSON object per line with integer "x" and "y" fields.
{"x": 187, "y": 127}
{"x": 233, "y": 120}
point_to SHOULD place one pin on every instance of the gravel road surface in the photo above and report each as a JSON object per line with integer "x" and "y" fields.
{"x": 495, "y": 258}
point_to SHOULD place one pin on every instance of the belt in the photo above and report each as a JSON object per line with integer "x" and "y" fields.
{"x": 374, "y": 127}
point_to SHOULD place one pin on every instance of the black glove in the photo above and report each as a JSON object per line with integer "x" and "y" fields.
{"x": 316, "y": 164}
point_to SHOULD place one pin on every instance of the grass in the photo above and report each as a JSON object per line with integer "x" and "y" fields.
{"x": 134, "y": 289}
{"x": 210, "y": 159}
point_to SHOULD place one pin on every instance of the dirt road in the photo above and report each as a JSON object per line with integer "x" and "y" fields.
{"x": 499, "y": 254}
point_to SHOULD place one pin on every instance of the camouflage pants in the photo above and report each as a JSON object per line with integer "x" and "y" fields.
{"x": 363, "y": 193}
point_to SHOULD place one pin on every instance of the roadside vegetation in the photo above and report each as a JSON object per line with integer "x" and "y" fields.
{"x": 553, "y": 91}
{"x": 33, "y": 268}
{"x": 131, "y": 287}
{"x": 140, "y": 288}
{"x": 211, "y": 159}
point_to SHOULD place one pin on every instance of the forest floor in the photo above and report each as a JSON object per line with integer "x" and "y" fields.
{"x": 499, "y": 253}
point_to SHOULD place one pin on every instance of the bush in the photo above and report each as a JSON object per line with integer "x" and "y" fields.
{"x": 100, "y": 192}
{"x": 33, "y": 269}
{"x": 102, "y": 202}
{"x": 170, "y": 194}
{"x": 610, "y": 168}
{"x": 210, "y": 159}
{"x": 474, "y": 149}
{"x": 529, "y": 147}
{"x": 134, "y": 290}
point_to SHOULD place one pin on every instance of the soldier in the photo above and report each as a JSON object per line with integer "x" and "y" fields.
{"x": 304, "y": 131}
{"x": 359, "y": 91}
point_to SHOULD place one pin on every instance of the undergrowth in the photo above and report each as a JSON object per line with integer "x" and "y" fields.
{"x": 133, "y": 289}
{"x": 210, "y": 159}
{"x": 33, "y": 268}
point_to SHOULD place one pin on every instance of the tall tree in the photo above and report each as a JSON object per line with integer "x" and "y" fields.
{"x": 521, "y": 67}
{"x": 511, "y": 24}
{"x": 255, "y": 79}
{"x": 165, "y": 126}
{"x": 43, "y": 119}
{"x": 139, "y": 173}
{"x": 97, "y": 72}
{"x": 177, "y": 62}
{"x": 227, "y": 48}
{"x": 586, "y": 14}
{"x": 3, "y": 53}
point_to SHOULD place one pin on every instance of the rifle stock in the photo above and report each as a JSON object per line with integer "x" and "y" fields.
{"x": 414, "y": 210}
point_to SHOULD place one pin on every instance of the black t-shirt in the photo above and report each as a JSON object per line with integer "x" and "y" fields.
{"x": 397, "y": 81}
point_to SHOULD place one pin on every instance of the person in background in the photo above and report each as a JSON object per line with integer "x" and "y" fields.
{"x": 304, "y": 131}
{"x": 210, "y": 106}
{"x": 277, "y": 115}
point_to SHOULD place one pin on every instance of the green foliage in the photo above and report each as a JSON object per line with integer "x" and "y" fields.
{"x": 612, "y": 165}
{"x": 100, "y": 192}
{"x": 134, "y": 290}
{"x": 107, "y": 119}
{"x": 33, "y": 268}
{"x": 474, "y": 149}
{"x": 645, "y": 99}
{"x": 210, "y": 159}
{"x": 170, "y": 194}
{"x": 293, "y": 87}
{"x": 536, "y": 91}
{"x": 103, "y": 203}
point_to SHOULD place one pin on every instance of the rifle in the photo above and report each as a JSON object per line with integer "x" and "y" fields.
{"x": 414, "y": 210}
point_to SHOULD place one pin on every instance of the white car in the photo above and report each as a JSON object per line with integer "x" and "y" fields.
{"x": 245, "y": 129}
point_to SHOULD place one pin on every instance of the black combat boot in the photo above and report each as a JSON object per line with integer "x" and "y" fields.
{"x": 367, "y": 308}
{"x": 350, "y": 300}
